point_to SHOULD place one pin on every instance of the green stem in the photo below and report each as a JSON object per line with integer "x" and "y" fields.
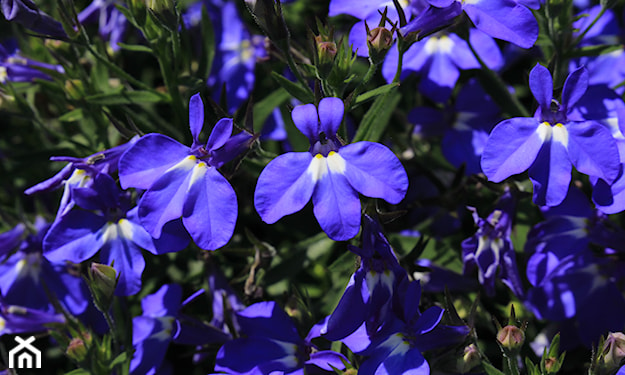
{"x": 365, "y": 80}
{"x": 400, "y": 60}
{"x": 579, "y": 38}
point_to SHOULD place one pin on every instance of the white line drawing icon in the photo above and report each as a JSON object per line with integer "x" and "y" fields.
{"x": 23, "y": 354}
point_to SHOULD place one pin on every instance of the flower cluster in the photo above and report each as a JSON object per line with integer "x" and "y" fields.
{"x": 294, "y": 187}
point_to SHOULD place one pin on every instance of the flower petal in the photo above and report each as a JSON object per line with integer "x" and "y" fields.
{"x": 196, "y": 117}
{"x": 210, "y": 208}
{"x": 504, "y": 19}
{"x": 164, "y": 200}
{"x": 541, "y": 85}
{"x": 574, "y": 88}
{"x": 551, "y": 172}
{"x": 76, "y": 237}
{"x": 374, "y": 171}
{"x": 128, "y": 262}
{"x": 306, "y": 120}
{"x": 331, "y": 115}
{"x": 593, "y": 150}
{"x": 336, "y": 205}
{"x": 284, "y": 186}
{"x": 220, "y": 134}
{"x": 512, "y": 147}
{"x": 146, "y": 161}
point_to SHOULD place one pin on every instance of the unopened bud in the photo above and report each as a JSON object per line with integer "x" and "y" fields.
{"x": 613, "y": 350}
{"x": 77, "y": 350}
{"x": 326, "y": 52}
{"x": 103, "y": 281}
{"x": 552, "y": 365}
{"x": 470, "y": 359}
{"x": 511, "y": 337}
{"x": 379, "y": 40}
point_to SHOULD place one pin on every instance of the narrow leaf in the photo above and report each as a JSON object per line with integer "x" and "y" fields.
{"x": 377, "y": 117}
{"x": 302, "y": 94}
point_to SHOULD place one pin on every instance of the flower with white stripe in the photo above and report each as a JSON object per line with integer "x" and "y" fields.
{"x": 330, "y": 173}
{"x": 552, "y": 141}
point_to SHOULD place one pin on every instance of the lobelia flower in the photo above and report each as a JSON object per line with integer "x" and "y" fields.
{"x": 106, "y": 223}
{"x": 15, "y": 68}
{"x": 464, "y": 126}
{"x": 25, "y": 273}
{"x": 236, "y": 51}
{"x": 490, "y": 249}
{"x": 26, "y": 13}
{"x": 548, "y": 144}
{"x": 184, "y": 181}
{"x": 330, "y": 173}
{"x": 161, "y": 323}
{"x": 270, "y": 344}
{"x": 573, "y": 283}
{"x": 111, "y": 21}
{"x": 19, "y": 319}
{"x": 397, "y": 347}
{"x": 79, "y": 173}
{"x": 368, "y": 296}
{"x": 509, "y": 20}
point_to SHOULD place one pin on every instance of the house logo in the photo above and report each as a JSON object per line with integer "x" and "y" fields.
{"x": 22, "y": 355}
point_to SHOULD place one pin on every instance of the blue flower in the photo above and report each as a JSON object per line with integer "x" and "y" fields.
{"x": 490, "y": 249}
{"x": 548, "y": 144}
{"x": 330, "y": 173}
{"x": 27, "y": 14}
{"x": 369, "y": 294}
{"x": 15, "y": 68}
{"x": 271, "y": 345}
{"x": 464, "y": 126}
{"x": 509, "y": 20}
{"x": 161, "y": 323}
{"x": 105, "y": 223}
{"x": 184, "y": 181}
{"x": 439, "y": 58}
{"x": 396, "y": 348}
{"x": 111, "y": 21}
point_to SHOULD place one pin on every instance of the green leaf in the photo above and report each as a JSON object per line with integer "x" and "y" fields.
{"x": 377, "y": 117}
{"x": 302, "y": 94}
{"x": 263, "y": 109}
{"x": 592, "y": 50}
{"x": 120, "y": 359}
{"x": 208, "y": 48}
{"x": 490, "y": 369}
{"x": 135, "y": 47}
{"x": 127, "y": 97}
{"x": 74, "y": 115}
{"x": 78, "y": 371}
{"x": 372, "y": 94}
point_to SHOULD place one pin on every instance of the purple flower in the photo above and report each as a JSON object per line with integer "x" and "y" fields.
{"x": 184, "y": 181}
{"x": 369, "y": 293}
{"x": 19, "y": 319}
{"x": 330, "y": 173}
{"x": 439, "y": 58}
{"x": 397, "y": 347}
{"x": 26, "y": 13}
{"x": 502, "y": 19}
{"x": 490, "y": 249}
{"x": 236, "y": 51}
{"x": 271, "y": 344}
{"x": 464, "y": 126}
{"x": 111, "y": 21}
{"x": 105, "y": 223}
{"x": 548, "y": 144}
{"x": 79, "y": 173}
{"x": 15, "y": 68}
{"x": 161, "y": 323}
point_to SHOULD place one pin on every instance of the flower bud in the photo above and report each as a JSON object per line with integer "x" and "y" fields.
{"x": 379, "y": 41}
{"x": 102, "y": 282}
{"x": 613, "y": 350}
{"x": 77, "y": 350}
{"x": 511, "y": 337}
{"x": 470, "y": 359}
